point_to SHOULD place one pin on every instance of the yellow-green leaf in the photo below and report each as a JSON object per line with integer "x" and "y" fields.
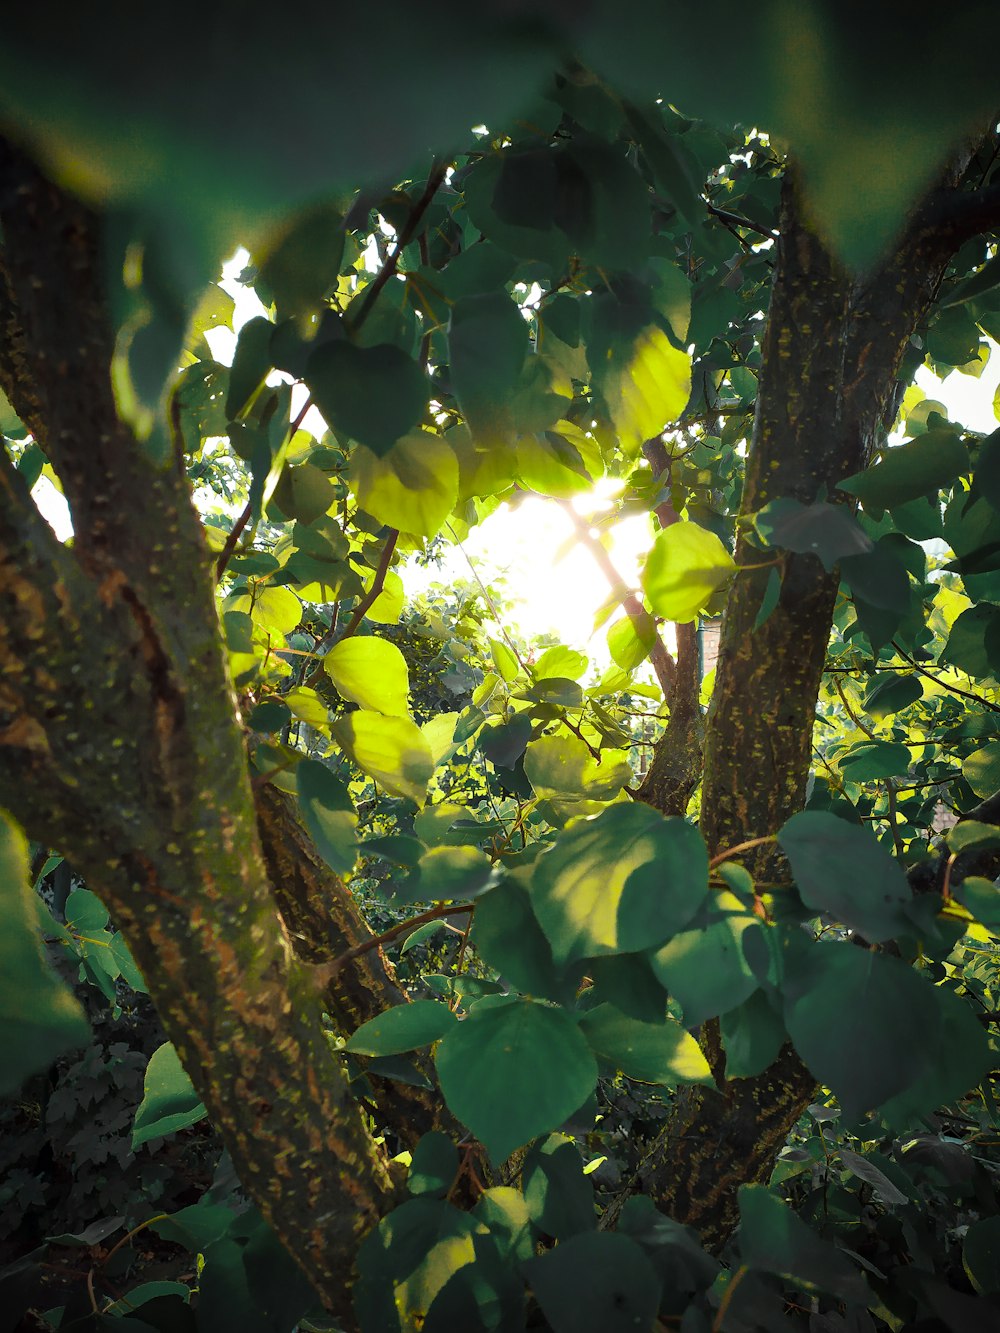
{"x": 563, "y": 767}
{"x": 648, "y": 390}
{"x": 685, "y": 567}
{"x": 389, "y": 749}
{"x": 413, "y": 486}
{"x": 388, "y": 605}
{"x": 370, "y": 672}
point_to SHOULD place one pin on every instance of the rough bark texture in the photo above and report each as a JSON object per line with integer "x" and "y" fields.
{"x": 828, "y": 391}
{"x": 119, "y": 745}
{"x": 323, "y": 922}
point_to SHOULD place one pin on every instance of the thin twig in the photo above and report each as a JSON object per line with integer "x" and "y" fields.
{"x": 378, "y": 583}
{"x": 890, "y": 794}
{"x": 851, "y": 713}
{"x": 662, "y": 662}
{"x": 966, "y": 694}
{"x": 740, "y": 847}
{"x": 236, "y": 530}
{"x": 323, "y": 973}
{"x": 434, "y": 182}
{"x": 725, "y": 216}
{"x": 727, "y": 1297}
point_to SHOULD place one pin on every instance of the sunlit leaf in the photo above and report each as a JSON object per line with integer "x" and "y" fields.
{"x": 685, "y": 567}
{"x": 390, "y": 749}
{"x": 412, "y": 485}
{"x": 620, "y": 882}
{"x": 563, "y": 767}
{"x": 660, "y": 1053}
{"x": 372, "y": 672}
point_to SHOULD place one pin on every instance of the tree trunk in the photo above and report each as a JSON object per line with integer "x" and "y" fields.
{"x": 119, "y": 745}
{"x": 827, "y": 394}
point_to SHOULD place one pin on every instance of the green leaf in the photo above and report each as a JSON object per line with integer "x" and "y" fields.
{"x": 505, "y": 1211}
{"x": 981, "y": 897}
{"x": 563, "y": 663}
{"x": 169, "y": 1101}
{"x": 514, "y": 1069}
{"x": 661, "y": 1053}
{"x": 841, "y": 870}
{"x": 408, "y": 1258}
{"x": 412, "y": 486}
{"x": 969, "y": 835}
{"x": 372, "y": 395}
{"x": 774, "y": 1240}
{"x": 388, "y": 605}
{"x": 871, "y": 760}
{"x": 559, "y": 1197}
{"x": 433, "y": 1166}
{"x": 328, "y": 813}
{"x": 953, "y": 338}
{"x": 303, "y": 492}
{"x": 908, "y": 471}
{"x": 251, "y": 366}
{"x": 631, "y": 639}
{"x": 769, "y": 601}
{"x": 878, "y": 577}
{"x": 504, "y": 659}
{"x": 275, "y": 610}
{"x": 563, "y": 767}
{"x": 890, "y": 693}
{"x": 627, "y": 981}
{"x": 487, "y": 345}
{"x": 981, "y": 1254}
{"x": 453, "y": 873}
{"x": 390, "y": 749}
{"x": 987, "y": 476}
{"x": 85, "y": 912}
{"x": 880, "y": 1004}
{"x": 300, "y": 263}
{"x": 623, "y": 881}
{"x": 686, "y": 566}
{"x": 970, "y": 639}
{"x": 707, "y": 971}
{"x": 509, "y": 938}
{"x": 598, "y": 1282}
{"x": 405, "y": 1027}
{"x": 371, "y": 672}
{"x": 127, "y": 966}
{"x": 752, "y": 1035}
{"x": 40, "y": 1017}
{"x": 981, "y": 769}
{"x": 646, "y": 384}
{"x": 826, "y": 530}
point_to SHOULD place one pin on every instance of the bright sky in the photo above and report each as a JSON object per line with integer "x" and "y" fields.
{"x": 524, "y": 551}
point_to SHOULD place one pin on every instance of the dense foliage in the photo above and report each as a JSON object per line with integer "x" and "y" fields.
{"x": 499, "y": 991}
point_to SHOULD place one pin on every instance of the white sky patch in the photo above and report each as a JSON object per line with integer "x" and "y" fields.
{"x": 530, "y": 554}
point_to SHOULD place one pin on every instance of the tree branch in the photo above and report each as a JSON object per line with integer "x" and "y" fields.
{"x": 663, "y": 664}
{"x": 438, "y": 173}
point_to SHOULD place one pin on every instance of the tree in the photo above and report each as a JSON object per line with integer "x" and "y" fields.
{"x": 593, "y": 282}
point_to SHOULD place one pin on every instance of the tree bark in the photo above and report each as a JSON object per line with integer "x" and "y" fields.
{"x": 827, "y": 394}
{"x": 120, "y": 745}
